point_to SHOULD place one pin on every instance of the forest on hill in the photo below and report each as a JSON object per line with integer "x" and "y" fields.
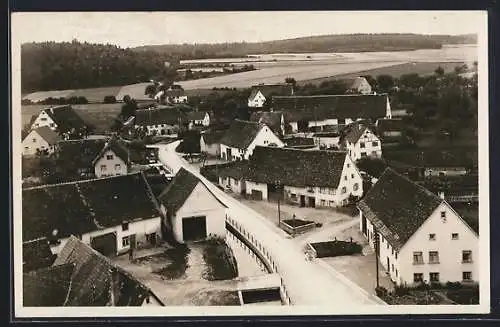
{"x": 323, "y": 43}
{"x": 74, "y": 65}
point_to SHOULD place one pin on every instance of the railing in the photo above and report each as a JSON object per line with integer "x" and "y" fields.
{"x": 260, "y": 251}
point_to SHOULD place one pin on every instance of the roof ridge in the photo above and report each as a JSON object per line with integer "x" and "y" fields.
{"x": 75, "y": 182}
{"x": 421, "y": 187}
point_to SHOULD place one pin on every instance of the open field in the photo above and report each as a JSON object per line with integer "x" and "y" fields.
{"x": 93, "y": 95}
{"x": 99, "y": 115}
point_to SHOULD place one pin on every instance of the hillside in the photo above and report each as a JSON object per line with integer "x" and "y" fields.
{"x": 323, "y": 43}
{"x": 75, "y": 65}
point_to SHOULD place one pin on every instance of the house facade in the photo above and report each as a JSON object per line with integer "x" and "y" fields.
{"x": 242, "y": 137}
{"x": 198, "y": 119}
{"x": 160, "y": 121}
{"x": 210, "y": 142}
{"x": 360, "y": 142}
{"x": 358, "y": 85}
{"x": 260, "y": 93}
{"x": 191, "y": 210}
{"x": 320, "y": 112}
{"x": 41, "y": 139}
{"x": 112, "y": 160}
{"x": 275, "y": 120}
{"x": 62, "y": 119}
{"x": 422, "y": 238}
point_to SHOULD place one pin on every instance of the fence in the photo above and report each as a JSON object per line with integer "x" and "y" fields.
{"x": 259, "y": 252}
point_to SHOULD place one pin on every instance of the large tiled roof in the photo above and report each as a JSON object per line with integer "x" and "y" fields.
{"x": 213, "y": 136}
{"x": 298, "y": 141}
{"x": 37, "y": 254}
{"x": 179, "y": 189}
{"x": 427, "y": 157}
{"x": 93, "y": 276}
{"x": 66, "y": 118}
{"x": 48, "y": 135}
{"x": 118, "y": 148}
{"x": 271, "y": 119}
{"x": 85, "y": 206}
{"x": 241, "y": 133}
{"x": 47, "y": 287}
{"x": 159, "y": 116}
{"x": 298, "y": 168}
{"x": 80, "y": 153}
{"x": 390, "y": 125}
{"x": 236, "y": 169}
{"x": 321, "y": 107}
{"x": 270, "y": 89}
{"x": 196, "y": 115}
{"x": 397, "y": 207}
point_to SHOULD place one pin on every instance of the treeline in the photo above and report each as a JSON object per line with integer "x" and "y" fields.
{"x": 57, "y": 101}
{"x": 325, "y": 43}
{"x": 72, "y": 65}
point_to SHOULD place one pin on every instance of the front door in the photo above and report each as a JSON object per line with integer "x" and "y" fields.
{"x": 388, "y": 264}
{"x": 229, "y": 155}
{"x": 363, "y": 224}
{"x": 312, "y": 202}
{"x": 302, "y": 201}
{"x": 194, "y": 228}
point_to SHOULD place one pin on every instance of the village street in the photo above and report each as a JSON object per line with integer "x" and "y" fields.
{"x": 308, "y": 283}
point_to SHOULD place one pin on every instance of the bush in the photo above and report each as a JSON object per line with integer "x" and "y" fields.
{"x": 336, "y": 248}
{"x": 465, "y": 295}
{"x": 381, "y": 291}
{"x": 453, "y": 285}
{"x": 401, "y": 290}
{"x": 109, "y": 99}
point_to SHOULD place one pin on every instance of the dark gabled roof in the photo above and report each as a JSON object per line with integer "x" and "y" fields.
{"x": 241, "y": 133}
{"x": 320, "y": 107}
{"x": 213, "y": 137}
{"x": 118, "y": 149}
{"x": 353, "y": 132}
{"x": 93, "y": 276}
{"x": 158, "y": 116}
{"x": 179, "y": 189}
{"x": 66, "y": 118}
{"x": 37, "y": 254}
{"x": 269, "y": 89}
{"x": 271, "y": 119}
{"x": 236, "y": 170}
{"x": 47, "y": 287}
{"x": 433, "y": 157}
{"x": 397, "y": 207}
{"x": 196, "y": 115}
{"x": 80, "y": 153}
{"x": 48, "y": 135}
{"x": 390, "y": 125}
{"x": 298, "y": 141}
{"x": 81, "y": 207}
{"x": 298, "y": 168}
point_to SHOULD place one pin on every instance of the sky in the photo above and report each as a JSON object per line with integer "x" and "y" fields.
{"x": 130, "y": 29}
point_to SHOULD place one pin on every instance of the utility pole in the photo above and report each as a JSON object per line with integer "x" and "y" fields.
{"x": 278, "y": 188}
{"x": 377, "y": 249}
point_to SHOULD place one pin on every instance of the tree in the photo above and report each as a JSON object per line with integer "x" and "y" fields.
{"x": 128, "y": 108}
{"x": 291, "y": 80}
{"x": 109, "y": 99}
{"x": 150, "y": 90}
{"x": 439, "y": 71}
{"x": 126, "y": 98}
{"x": 385, "y": 83}
{"x": 372, "y": 166}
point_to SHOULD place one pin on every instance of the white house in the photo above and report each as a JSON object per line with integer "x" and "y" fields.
{"x": 192, "y": 212}
{"x": 40, "y": 139}
{"x": 112, "y": 214}
{"x": 360, "y": 142}
{"x": 62, "y": 119}
{"x": 210, "y": 142}
{"x": 358, "y": 85}
{"x": 159, "y": 121}
{"x": 318, "y": 112}
{"x": 309, "y": 178}
{"x": 326, "y": 139}
{"x": 198, "y": 119}
{"x": 112, "y": 160}
{"x": 243, "y": 136}
{"x": 275, "y": 120}
{"x": 260, "y": 93}
{"x": 171, "y": 95}
{"x": 422, "y": 239}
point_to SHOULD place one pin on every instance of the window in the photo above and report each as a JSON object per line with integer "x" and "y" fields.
{"x": 125, "y": 241}
{"x": 43, "y": 119}
{"x": 26, "y": 148}
{"x": 352, "y": 175}
{"x": 323, "y": 203}
{"x": 374, "y": 153}
{"x": 124, "y": 226}
{"x": 396, "y": 255}
{"x": 432, "y": 237}
{"x": 103, "y": 168}
{"x": 434, "y": 277}
{"x": 443, "y": 214}
{"x": 418, "y": 258}
{"x": 293, "y": 196}
{"x": 348, "y": 165}
{"x": 331, "y": 203}
{"x": 109, "y": 157}
{"x": 387, "y": 246}
{"x": 396, "y": 273}
{"x": 117, "y": 167}
{"x": 418, "y": 277}
{"x": 392, "y": 252}
{"x": 467, "y": 256}
{"x": 363, "y": 154}
{"x": 355, "y": 187}
{"x": 466, "y": 276}
{"x": 374, "y": 143}
{"x": 362, "y": 145}
{"x": 454, "y": 236}
{"x": 345, "y": 178}
{"x": 433, "y": 257}
{"x": 344, "y": 190}
{"x": 34, "y": 140}
{"x": 52, "y": 125}
{"x": 392, "y": 267}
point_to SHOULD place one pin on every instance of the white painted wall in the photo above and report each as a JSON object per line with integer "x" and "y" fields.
{"x": 356, "y": 152}
{"x": 111, "y": 168}
{"x": 326, "y": 141}
{"x": 213, "y": 149}
{"x": 324, "y": 197}
{"x": 264, "y": 137}
{"x": 350, "y": 179}
{"x": 160, "y": 128}
{"x": 44, "y": 119}
{"x": 201, "y": 203}
{"x": 257, "y": 101}
{"x": 236, "y": 154}
{"x": 258, "y": 187}
{"x": 364, "y": 87}
{"x": 34, "y": 142}
{"x": 234, "y": 184}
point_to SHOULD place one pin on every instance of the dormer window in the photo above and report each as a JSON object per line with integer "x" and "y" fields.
{"x": 109, "y": 157}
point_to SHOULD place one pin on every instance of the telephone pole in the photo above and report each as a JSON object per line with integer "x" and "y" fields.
{"x": 377, "y": 250}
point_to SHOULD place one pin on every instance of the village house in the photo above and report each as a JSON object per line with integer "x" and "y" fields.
{"x": 192, "y": 212}
{"x": 319, "y": 112}
{"x": 243, "y": 136}
{"x": 63, "y": 120}
{"x": 42, "y": 139}
{"x": 309, "y": 178}
{"x": 262, "y": 92}
{"x": 81, "y": 276}
{"x": 198, "y": 119}
{"x": 422, "y": 238}
{"x": 112, "y": 215}
{"x": 114, "y": 159}
{"x": 172, "y": 96}
{"x": 297, "y": 142}
{"x": 160, "y": 121}
{"x": 357, "y": 85}
{"x": 275, "y": 120}
{"x": 231, "y": 176}
{"x": 210, "y": 142}
{"x": 360, "y": 141}
{"x": 327, "y": 140}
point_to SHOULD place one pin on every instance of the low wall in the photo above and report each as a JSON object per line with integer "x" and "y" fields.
{"x": 296, "y": 230}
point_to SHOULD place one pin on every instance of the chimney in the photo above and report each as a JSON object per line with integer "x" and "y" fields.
{"x": 441, "y": 195}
